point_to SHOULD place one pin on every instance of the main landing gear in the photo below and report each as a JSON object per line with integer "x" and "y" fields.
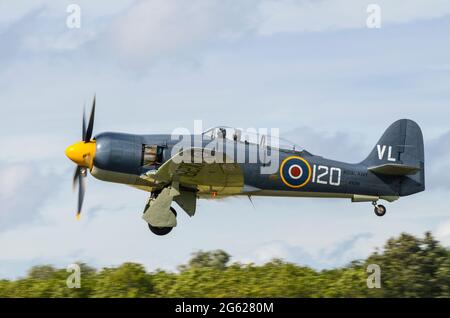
{"x": 379, "y": 209}
{"x": 161, "y": 231}
{"x": 159, "y": 212}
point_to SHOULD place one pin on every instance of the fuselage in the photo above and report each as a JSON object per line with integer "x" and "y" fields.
{"x": 125, "y": 158}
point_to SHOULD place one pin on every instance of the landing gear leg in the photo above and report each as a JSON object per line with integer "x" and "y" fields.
{"x": 379, "y": 209}
{"x": 152, "y": 197}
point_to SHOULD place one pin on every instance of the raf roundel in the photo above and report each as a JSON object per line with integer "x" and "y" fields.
{"x": 295, "y": 172}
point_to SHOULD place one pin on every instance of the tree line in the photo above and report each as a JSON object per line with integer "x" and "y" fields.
{"x": 409, "y": 267}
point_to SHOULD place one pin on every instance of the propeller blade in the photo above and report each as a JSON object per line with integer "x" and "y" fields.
{"x": 90, "y": 127}
{"x": 76, "y": 175}
{"x": 83, "y": 133}
{"x": 81, "y": 191}
{"x": 81, "y": 172}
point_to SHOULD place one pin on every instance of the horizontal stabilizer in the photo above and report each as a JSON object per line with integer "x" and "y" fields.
{"x": 392, "y": 169}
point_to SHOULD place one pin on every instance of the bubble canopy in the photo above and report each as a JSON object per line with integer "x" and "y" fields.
{"x": 250, "y": 136}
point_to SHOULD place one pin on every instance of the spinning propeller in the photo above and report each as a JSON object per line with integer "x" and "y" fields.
{"x": 83, "y": 154}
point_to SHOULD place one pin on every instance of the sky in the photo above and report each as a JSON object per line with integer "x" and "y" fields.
{"x": 313, "y": 69}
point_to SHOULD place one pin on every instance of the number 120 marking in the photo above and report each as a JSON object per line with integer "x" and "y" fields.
{"x": 327, "y": 175}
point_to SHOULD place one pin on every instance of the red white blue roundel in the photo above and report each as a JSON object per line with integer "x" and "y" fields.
{"x": 295, "y": 172}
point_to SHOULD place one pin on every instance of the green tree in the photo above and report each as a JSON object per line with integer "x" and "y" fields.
{"x": 410, "y": 267}
{"x": 217, "y": 259}
{"x": 128, "y": 280}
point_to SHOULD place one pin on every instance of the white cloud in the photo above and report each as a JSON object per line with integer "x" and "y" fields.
{"x": 144, "y": 29}
{"x": 13, "y": 11}
{"x": 437, "y": 160}
{"x": 328, "y": 15}
{"x": 340, "y": 252}
{"x": 24, "y": 188}
{"x": 305, "y": 15}
{"x": 11, "y": 179}
{"x": 28, "y": 148}
{"x": 141, "y": 32}
{"x": 156, "y": 27}
{"x": 443, "y": 233}
{"x": 67, "y": 41}
{"x": 339, "y": 145}
{"x": 43, "y": 23}
{"x": 269, "y": 251}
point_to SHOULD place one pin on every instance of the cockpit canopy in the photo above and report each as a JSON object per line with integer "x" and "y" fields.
{"x": 250, "y": 136}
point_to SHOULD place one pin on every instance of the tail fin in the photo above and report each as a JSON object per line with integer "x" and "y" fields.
{"x": 400, "y": 153}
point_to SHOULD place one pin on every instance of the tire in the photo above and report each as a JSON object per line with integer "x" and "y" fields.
{"x": 380, "y": 210}
{"x": 161, "y": 231}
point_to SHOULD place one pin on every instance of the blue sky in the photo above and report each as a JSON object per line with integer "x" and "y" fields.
{"x": 311, "y": 68}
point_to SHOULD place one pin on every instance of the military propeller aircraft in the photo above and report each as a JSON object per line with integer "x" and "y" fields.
{"x": 156, "y": 164}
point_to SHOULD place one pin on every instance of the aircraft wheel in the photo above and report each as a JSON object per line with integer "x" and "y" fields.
{"x": 161, "y": 231}
{"x": 380, "y": 210}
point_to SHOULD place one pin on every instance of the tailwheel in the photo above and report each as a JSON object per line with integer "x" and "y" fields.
{"x": 161, "y": 231}
{"x": 379, "y": 209}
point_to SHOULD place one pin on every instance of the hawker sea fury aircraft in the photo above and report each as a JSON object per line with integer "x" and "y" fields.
{"x": 226, "y": 162}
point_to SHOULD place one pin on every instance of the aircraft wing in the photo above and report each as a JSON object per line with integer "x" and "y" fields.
{"x": 200, "y": 172}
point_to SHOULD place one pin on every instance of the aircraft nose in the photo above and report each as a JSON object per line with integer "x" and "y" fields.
{"x": 82, "y": 153}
